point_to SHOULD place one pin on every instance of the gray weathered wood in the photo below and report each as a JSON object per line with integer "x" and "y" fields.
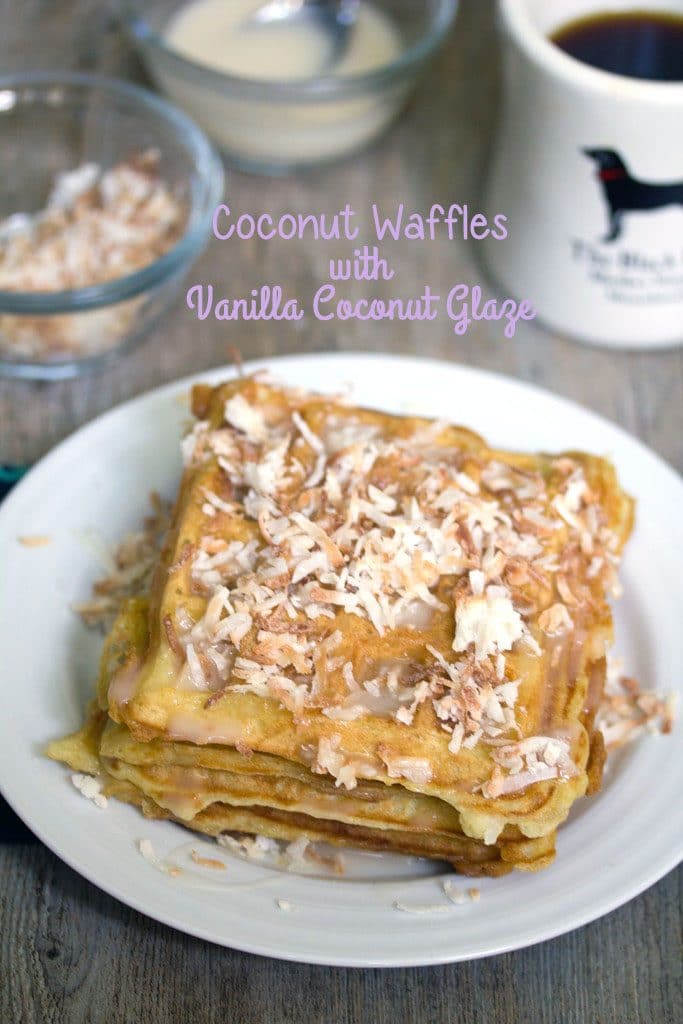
{"x": 68, "y": 953}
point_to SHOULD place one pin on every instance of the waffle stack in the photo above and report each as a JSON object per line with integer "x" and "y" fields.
{"x": 368, "y": 629}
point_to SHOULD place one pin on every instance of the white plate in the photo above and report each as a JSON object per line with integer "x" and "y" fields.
{"x": 614, "y": 846}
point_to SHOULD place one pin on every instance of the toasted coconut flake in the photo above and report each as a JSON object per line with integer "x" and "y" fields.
{"x": 148, "y": 853}
{"x": 130, "y": 566}
{"x": 457, "y": 895}
{"x": 252, "y": 848}
{"x": 246, "y": 418}
{"x": 36, "y": 540}
{"x": 555, "y": 620}
{"x": 422, "y": 908}
{"x": 330, "y": 759}
{"x": 314, "y": 442}
{"x": 627, "y": 710}
{"x": 529, "y": 760}
{"x": 332, "y": 862}
{"x": 196, "y": 671}
{"x": 487, "y": 622}
{"x": 91, "y": 788}
{"x": 207, "y": 862}
{"x": 98, "y": 225}
{"x": 172, "y": 637}
{"x": 147, "y": 850}
{"x": 417, "y": 770}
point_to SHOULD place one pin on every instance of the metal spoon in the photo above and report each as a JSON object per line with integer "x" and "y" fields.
{"x": 335, "y": 17}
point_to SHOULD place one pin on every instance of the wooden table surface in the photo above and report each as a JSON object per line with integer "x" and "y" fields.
{"x": 69, "y": 953}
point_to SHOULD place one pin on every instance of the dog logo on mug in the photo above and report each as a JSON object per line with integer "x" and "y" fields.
{"x": 625, "y": 194}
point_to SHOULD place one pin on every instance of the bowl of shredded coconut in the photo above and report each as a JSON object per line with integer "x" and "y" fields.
{"x": 107, "y": 199}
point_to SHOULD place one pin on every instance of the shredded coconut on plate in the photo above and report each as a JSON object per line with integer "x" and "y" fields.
{"x": 130, "y": 565}
{"x": 297, "y": 856}
{"x": 627, "y": 710}
{"x": 91, "y": 788}
{"x": 456, "y": 897}
{"x": 149, "y": 854}
{"x": 35, "y": 540}
{"x": 207, "y": 862}
{"x": 253, "y": 848}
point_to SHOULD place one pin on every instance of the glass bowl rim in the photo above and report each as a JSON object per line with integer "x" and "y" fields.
{"x": 320, "y": 88}
{"x": 209, "y": 171}
{"x": 70, "y": 366}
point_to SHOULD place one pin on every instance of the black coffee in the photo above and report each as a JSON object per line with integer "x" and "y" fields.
{"x": 640, "y": 44}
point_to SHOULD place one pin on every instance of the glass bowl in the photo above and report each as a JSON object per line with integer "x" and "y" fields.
{"x": 55, "y": 122}
{"x": 275, "y": 127}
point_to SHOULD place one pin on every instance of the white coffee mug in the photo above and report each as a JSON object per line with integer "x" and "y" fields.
{"x": 588, "y": 168}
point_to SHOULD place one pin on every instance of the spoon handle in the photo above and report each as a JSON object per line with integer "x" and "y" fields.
{"x": 344, "y": 12}
{"x": 277, "y": 10}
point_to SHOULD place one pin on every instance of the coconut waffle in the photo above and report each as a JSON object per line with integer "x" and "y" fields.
{"x": 355, "y": 603}
{"x": 172, "y": 781}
